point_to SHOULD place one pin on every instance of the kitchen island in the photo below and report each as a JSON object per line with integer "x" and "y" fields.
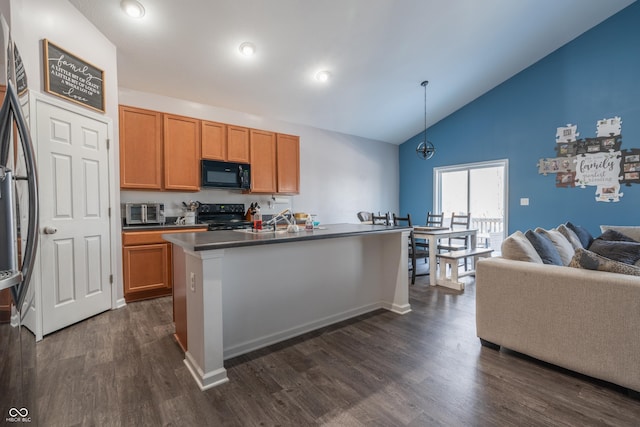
{"x": 247, "y": 290}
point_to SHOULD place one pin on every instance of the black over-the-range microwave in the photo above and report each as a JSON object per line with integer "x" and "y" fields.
{"x": 226, "y": 175}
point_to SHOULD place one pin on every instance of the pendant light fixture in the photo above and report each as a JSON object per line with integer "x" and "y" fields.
{"x": 425, "y": 150}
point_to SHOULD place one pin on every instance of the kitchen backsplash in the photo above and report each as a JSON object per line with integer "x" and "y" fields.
{"x": 173, "y": 200}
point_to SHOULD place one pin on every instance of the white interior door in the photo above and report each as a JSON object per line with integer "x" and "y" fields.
{"x": 73, "y": 170}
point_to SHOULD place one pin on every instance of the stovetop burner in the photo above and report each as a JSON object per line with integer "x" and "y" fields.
{"x": 223, "y": 216}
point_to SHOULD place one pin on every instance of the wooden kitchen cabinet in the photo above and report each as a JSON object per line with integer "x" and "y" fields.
{"x": 263, "y": 161}
{"x": 288, "y": 163}
{"x": 213, "y": 145}
{"x": 225, "y": 142}
{"x": 147, "y": 271}
{"x": 140, "y": 148}
{"x": 238, "y": 144}
{"x": 181, "y": 153}
{"x": 5, "y": 305}
{"x": 147, "y": 263}
{"x": 275, "y": 163}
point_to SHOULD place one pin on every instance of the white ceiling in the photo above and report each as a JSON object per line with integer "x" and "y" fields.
{"x": 378, "y": 52}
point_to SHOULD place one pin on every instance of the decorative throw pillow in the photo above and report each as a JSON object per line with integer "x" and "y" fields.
{"x": 565, "y": 249}
{"x": 543, "y": 246}
{"x": 571, "y": 236}
{"x": 632, "y": 231}
{"x": 626, "y": 252}
{"x": 613, "y": 235}
{"x": 592, "y": 261}
{"x": 583, "y": 234}
{"x": 518, "y": 248}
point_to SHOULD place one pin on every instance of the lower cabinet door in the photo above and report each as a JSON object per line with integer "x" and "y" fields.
{"x": 147, "y": 271}
{"x": 5, "y": 305}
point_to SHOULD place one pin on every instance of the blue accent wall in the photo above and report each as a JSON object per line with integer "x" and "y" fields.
{"x": 595, "y": 76}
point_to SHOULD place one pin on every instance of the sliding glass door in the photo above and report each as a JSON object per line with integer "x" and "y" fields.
{"x": 478, "y": 188}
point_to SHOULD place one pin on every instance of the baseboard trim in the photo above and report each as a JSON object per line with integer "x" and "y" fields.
{"x": 274, "y": 338}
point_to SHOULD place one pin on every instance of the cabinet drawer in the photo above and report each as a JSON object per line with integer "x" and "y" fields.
{"x": 152, "y": 237}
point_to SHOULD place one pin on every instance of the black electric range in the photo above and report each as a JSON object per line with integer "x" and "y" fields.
{"x": 223, "y": 216}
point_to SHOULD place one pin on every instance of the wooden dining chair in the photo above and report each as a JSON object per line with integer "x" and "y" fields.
{"x": 380, "y": 219}
{"x": 434, "y": 220}
{"x": 458, "y": 222}
{"x": 414, "y": 252}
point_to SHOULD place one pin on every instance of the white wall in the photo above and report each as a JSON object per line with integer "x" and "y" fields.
{"x": 339, "y": 174}
{"x": 62, "y": 24}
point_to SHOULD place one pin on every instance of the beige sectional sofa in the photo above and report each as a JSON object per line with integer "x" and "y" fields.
{"x": 584, "y": 320}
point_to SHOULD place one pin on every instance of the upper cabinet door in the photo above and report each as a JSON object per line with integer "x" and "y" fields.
{"x": 263, "y": 161}
{"x": 214, "y": 140}
{"x": 140, "y": 148}
{"x": 181, "y": 153}
{"x": 225, "y": 142}
{"x": 288, "y": 163}
{"x": 237, "y": 144}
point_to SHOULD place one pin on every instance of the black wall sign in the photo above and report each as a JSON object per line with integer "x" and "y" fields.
{"x": 21, "y": 76}
{"x": 70, "y": 77}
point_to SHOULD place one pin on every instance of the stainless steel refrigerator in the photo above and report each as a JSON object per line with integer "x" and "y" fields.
{"x": 18, "y": 245}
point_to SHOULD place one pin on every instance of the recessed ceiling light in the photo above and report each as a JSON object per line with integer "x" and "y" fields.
{"x": 323, "y": 76}
{"x": 133, "y": 8}
{"x": 247, "y": 49}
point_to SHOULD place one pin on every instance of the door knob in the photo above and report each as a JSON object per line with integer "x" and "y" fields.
{"x": 50, "y": 230}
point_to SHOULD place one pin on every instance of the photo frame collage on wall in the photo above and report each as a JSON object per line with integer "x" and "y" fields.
{"x": 597, "y": 161}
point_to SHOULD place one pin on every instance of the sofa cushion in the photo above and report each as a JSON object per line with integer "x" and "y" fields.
{"x": 571, "y": 236}
{"x": 517, "y": 247}
{"x": 583, "y": 234}
{"x": 614, "y": 235}
{"x": 544, "y": 247}
{"x": 590, "y": 260}
{"x": 626, "y": 252}
{"x": 628, "y": 230}
{"x": 565, "y": 249}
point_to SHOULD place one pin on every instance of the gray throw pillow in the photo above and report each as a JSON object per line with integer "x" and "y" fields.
{"x": 544, "y": 247}
{"x": 615, "y": 235}
{"x": 565, "y": 249}
{"x": 592, "y": 261}
{"x": 571, "y": 236}
{"x": 632, "y": 231}
{"x": 626, "y": 252}
{"x": 518, "y": 248}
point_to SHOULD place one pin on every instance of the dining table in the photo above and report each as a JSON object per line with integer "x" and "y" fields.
{"x": 433, "y": 236}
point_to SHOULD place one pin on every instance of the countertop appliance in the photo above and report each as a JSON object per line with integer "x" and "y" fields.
{"x": 223, "y": 216}
{"x": 226, "y": 175}
{"x": 144, "y": 213}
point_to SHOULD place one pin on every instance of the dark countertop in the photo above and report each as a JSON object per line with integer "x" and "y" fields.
{"x": 233, "y": 239}
{"x": 161, "y": 227}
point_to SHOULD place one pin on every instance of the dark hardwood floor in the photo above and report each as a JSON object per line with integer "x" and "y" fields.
{"x": 426, "y": 368}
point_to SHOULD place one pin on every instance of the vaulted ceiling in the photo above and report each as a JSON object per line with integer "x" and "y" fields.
{"x": 377, "y": 52}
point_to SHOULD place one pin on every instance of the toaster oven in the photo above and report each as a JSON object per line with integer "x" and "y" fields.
{"x": 144, "y": 213}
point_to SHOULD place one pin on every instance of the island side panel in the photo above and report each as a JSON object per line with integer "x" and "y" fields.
{"x": 204, "y": 357}
{"x": 395, "y": 278}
